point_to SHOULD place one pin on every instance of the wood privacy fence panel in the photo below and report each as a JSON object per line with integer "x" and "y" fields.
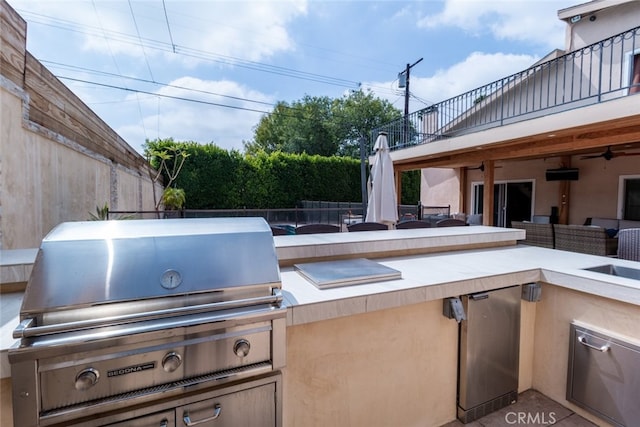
{"x": 13, "y": 44}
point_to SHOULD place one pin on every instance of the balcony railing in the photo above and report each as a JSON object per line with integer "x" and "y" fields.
{"x": 590, "y": 75}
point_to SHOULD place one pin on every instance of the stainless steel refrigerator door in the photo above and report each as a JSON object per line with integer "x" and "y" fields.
{"x": 489, "y": 346}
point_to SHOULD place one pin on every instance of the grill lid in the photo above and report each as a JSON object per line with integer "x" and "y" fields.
{"x": 82, "y": 264}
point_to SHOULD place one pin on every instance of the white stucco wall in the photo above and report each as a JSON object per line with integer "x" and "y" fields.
{"x": 440, "y": 187}
{"x": 595, "y": 194}
{"x": 597, "y": 23}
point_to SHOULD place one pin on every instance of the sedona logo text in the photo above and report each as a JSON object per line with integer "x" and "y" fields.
{"x": 131, "y": 369}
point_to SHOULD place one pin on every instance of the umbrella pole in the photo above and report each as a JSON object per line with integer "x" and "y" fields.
{"x": 363, "y": 176}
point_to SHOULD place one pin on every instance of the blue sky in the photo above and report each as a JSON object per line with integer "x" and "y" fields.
{"x": 140, "y": 65}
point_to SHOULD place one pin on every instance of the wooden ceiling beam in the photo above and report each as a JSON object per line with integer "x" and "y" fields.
{"x": 566, "y": 142}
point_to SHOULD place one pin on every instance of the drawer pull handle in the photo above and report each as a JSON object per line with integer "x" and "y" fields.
{"x": 216, "y": 413}
{"x": 584, "y": 342}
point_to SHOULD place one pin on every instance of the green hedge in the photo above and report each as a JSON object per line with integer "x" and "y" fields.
{"x": 214, "y": 178}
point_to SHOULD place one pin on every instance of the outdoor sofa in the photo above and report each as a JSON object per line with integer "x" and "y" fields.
{"x": 588, "y": 239}
{"x": 612, "y": 223}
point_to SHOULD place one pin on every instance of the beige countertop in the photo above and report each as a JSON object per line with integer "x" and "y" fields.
{"x": 434, "y": 264}
{"x": 435, "y": 276}
{"x": 15, "y": 265}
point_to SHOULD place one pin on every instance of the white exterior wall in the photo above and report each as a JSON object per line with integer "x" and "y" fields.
{"x": 440, "y": 187}
{"x": 596, "y": 25}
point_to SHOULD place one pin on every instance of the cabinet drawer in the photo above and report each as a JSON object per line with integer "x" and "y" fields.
{"x": 604, "y": 375}
{"x": 162, "y": 419}
{"x": 252, "y": 407}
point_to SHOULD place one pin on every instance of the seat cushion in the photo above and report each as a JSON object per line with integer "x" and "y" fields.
{"x": 605, "y": 222}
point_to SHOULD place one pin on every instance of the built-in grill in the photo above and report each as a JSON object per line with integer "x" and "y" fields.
{"x": 151, "y": 323}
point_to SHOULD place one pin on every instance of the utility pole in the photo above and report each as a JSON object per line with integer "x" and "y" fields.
{"x": 403, "y": 78}
{"x": 406, "y": 72}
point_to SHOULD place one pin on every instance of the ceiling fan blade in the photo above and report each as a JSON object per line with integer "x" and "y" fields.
{"x": 595, "y": 156}
{"x": 481, "y": 167}
{"x": 608, "y": 155}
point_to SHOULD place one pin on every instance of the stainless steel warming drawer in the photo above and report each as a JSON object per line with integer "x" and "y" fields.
{"x": 252, "y": 404}
{"x": 604, "y": 375}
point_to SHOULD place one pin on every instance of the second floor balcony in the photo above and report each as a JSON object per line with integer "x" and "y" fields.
{"x": 567, "y": 101}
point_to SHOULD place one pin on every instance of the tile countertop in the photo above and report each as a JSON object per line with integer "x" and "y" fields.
{"x": 15, "y": 265}
{"x": 434, "y": 276}
{"x": 433, "y": 264}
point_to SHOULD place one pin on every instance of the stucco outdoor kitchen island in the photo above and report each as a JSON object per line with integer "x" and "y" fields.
{"x": 383, "y": 353}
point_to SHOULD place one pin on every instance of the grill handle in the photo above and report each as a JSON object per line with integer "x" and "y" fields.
{"x": 26, "y": 329}
{"x": 25, "y": 324}
{"x": 216, "y": 413}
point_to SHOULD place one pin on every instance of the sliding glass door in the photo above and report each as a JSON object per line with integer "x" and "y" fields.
{"x": 512, "y": 201}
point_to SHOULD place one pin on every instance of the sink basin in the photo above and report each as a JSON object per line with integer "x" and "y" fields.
{"x": 616, "y": 270}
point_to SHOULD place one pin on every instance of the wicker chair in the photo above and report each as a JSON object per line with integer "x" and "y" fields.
{"x": 629, "y": 244}
{"x": 367, "y": 226}
{"x": 412, "y": 224}
{"x": 585, "y": 239}
{"x": 317, "y": 228}
{"x": 536, "y": 234}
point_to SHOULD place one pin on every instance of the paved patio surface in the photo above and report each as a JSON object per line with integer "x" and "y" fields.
{"x": 532, "y": 409}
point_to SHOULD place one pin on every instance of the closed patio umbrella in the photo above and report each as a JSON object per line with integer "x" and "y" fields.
{"x": 382, "y": 204}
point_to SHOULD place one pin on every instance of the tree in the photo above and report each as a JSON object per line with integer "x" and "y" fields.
{"x": 167, "y": 158}
{"x": 302, "y": 127}
{"x": 357, "y": 114}
{"x": 320, "y": 125}
{"x": 173, "y": 198}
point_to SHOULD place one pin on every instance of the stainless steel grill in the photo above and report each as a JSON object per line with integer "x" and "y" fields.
{"x": 136, "y": 321}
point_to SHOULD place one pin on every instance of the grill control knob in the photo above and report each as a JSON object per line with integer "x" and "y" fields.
{"x": 86, "y": 379}
{"x": 171, "y": 361}
{"x": 241, "y": 347}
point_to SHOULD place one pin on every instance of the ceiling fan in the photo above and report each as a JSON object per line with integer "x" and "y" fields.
{"x": 481, "y": 167}
{"x": 608, "y": 155}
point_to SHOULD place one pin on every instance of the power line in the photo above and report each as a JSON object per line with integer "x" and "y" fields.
{"x": 104, "y": 35}
{"x": 180, "y": 98}
{"x": 422, "y": 100}
{"x": 199, "y": 54}
{"x": 166, "y": 18}
{"x": 135, "y": 24}
{"x": 295, "y": 112}
{"x": 106, "y": 73}
{"x": 203, "y": 55}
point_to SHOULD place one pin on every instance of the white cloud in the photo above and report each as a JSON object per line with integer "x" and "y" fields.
{"x": 516, "y": 20}
{"x": 200, "y": 30}
{"x": 251, "y": 30}
{"x": 200, "y": 122}
{"x": 477, "y": 70}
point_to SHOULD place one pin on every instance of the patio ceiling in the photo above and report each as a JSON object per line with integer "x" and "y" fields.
{"x": 581, "y": 131}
